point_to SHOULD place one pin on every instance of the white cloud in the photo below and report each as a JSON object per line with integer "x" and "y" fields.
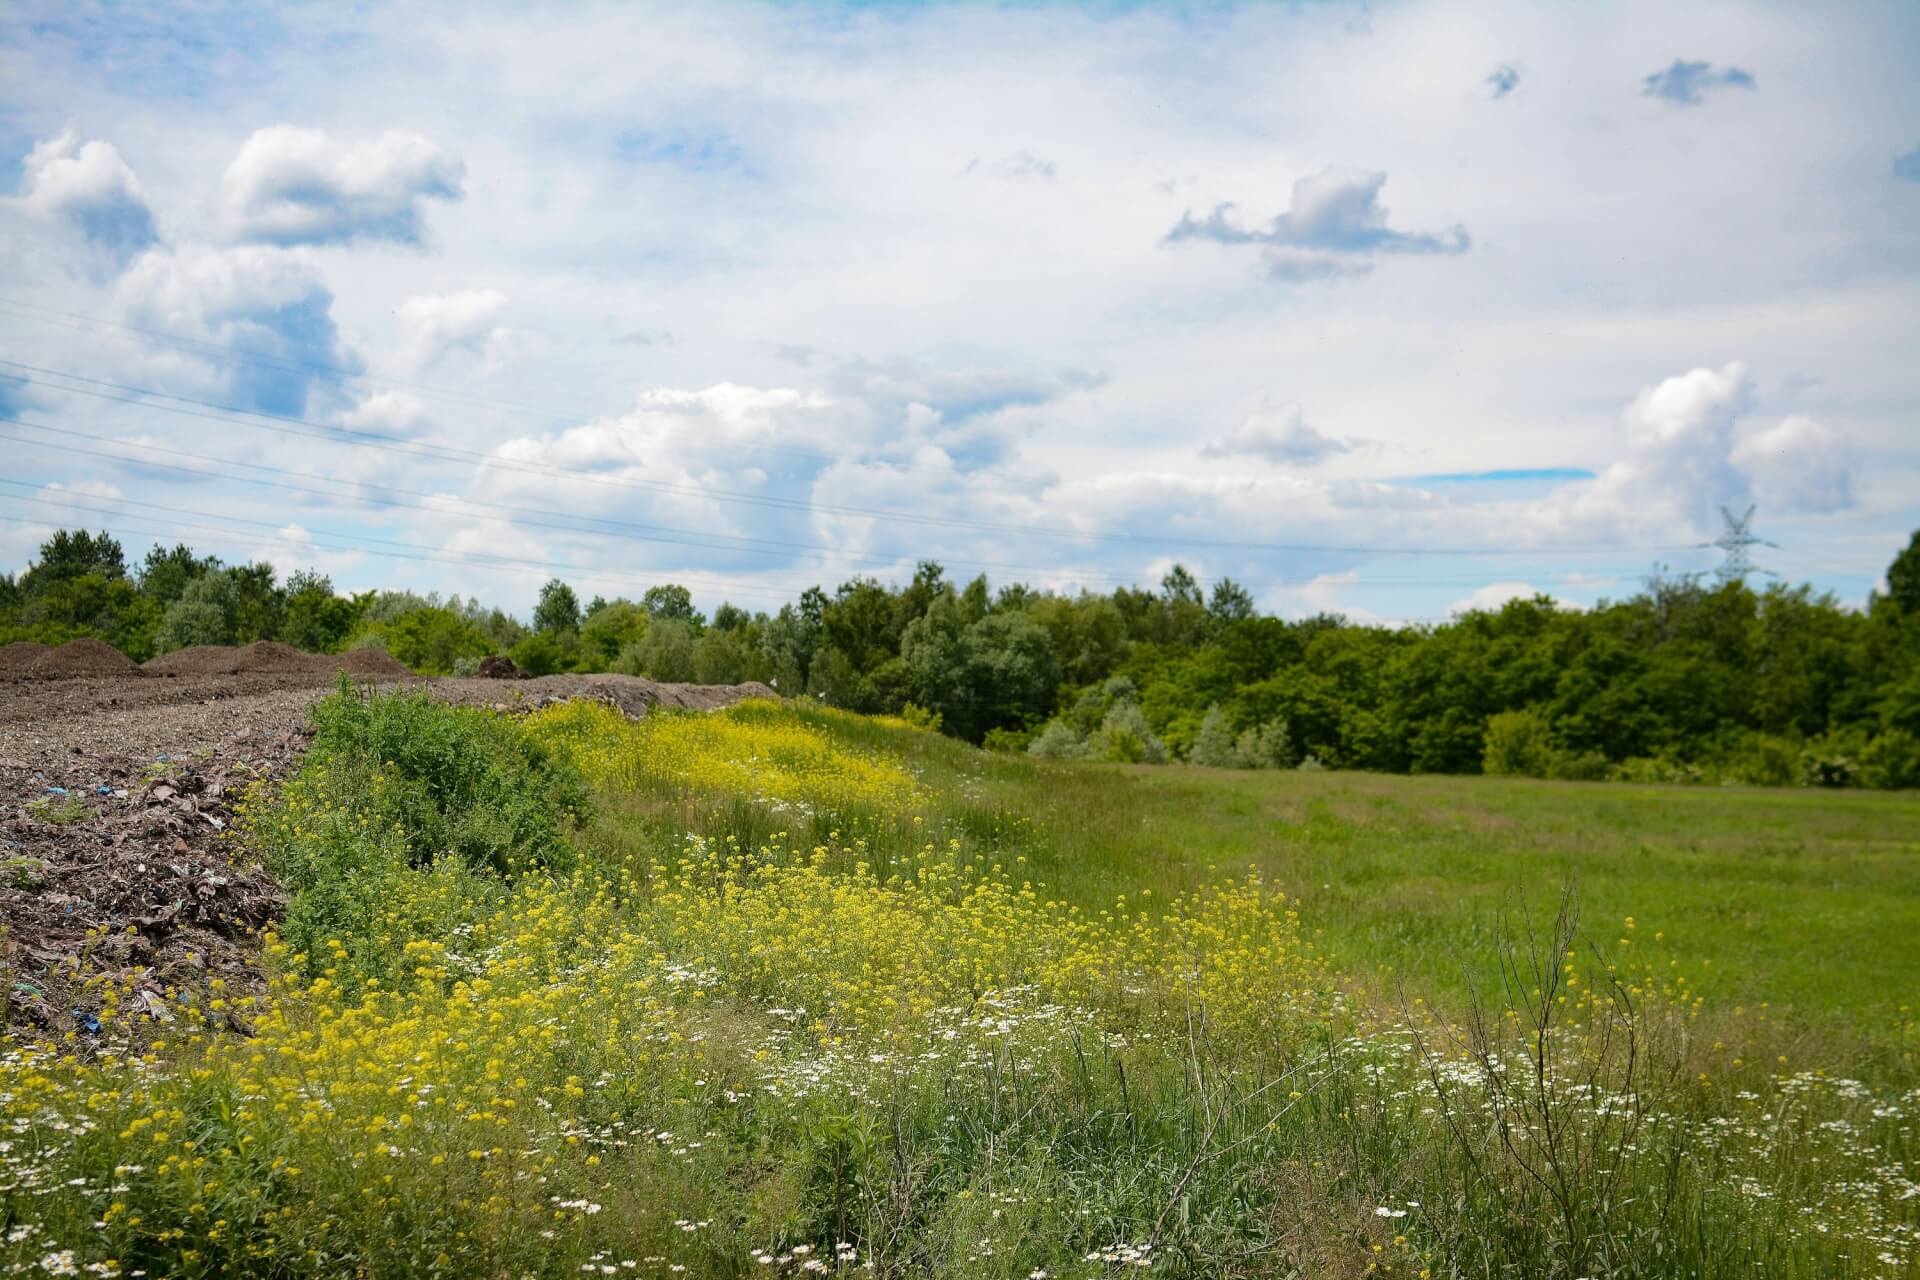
{"x": 970, "y": 300}
{"x": 394, "y": 413}
{"x": 255, "y": 324}
{"x": 1492, "y": 596}
{"x": 1281, "y": 436}
{"x": 291, "y": 186}
{"x": 431, "y": 328}
{"x": 1798, "y": 466}
{"x": 89, "y": 187}
{"x": 99, "y": 489}
{"x": 1675, "y": 467}
{"x": 1334, "y": 225}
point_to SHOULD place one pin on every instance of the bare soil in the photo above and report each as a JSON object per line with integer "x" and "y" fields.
{"x": 116, "y": 795}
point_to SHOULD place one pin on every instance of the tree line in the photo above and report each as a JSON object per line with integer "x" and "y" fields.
{"x": 1682, "y": 681}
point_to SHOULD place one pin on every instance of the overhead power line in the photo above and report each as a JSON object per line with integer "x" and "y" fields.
{"x": 544, "y": 518}
{"x": 285, "y": 424}
{"x": 324, "y": 540}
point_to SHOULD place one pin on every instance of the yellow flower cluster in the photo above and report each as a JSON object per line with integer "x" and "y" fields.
{"x": 875, "y": 957}
{"x": 755, "y": 748}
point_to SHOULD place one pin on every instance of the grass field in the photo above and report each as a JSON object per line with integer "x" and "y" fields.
{"x": 1805, "y": 900}
{"x": 784, "y": 991}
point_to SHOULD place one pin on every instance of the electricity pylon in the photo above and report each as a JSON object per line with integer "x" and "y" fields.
{"x": 1738, "y": 537}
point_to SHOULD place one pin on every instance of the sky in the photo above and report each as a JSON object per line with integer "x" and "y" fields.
{"x": 1392, "y": 310}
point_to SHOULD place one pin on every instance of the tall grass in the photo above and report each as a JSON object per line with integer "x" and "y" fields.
{"x": 707, "y": 1033}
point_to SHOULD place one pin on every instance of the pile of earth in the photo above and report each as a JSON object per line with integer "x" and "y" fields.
{"x": 272, "y": 657}
{"x": 26, "y": 660}
{"x": 117, "y": 872}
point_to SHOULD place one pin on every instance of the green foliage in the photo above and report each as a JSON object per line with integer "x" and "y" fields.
{"x": 58, "y": 811}
{"x": 1903, "y": 579}
{"x": 558, "y": 610}
{"x": 165, "y": 574}
{"x": 236, "y": 605}
{"x": 73, "y": 554}
{"x": 457, "y": 779}
{"x": 317, "y": 620}
{"x": 1213, "y": 745}
{"x": 1891, "y": 761}
{"x": 664, "y": 652}
{"x": 429, "y": 639}
{"x": 609, "y": 629}
{"x": 540, "y": 654}
{"x": 670, "y": 603}
{"x": 1520, "y": 743}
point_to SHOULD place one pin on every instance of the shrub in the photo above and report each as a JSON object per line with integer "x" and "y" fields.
{"x": 460, "y": 780}
{"x": 1213, "y": 744}
{"x": 1008, "y": 741}
{"x": 1265, "y": 746}
{"x": 1057, "y": 741}
{"x": 664, "y": 652}
{"x": 539, "y": 654}
{"x": 1125, "y": 737}
{"x": 1830, "y": 761}
{"x": 1518, "y": 742}
{"x": 1891, "y": 761}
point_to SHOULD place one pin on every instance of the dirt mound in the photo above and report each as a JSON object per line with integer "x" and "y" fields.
{"x": 271, "y": 655}
{"x": 499, "y": 668}
{"x": 83, "y": 657}
{"x": 196, "y": 660}
{"x": 368, "y": 662}
{"x": 18, "y": 658}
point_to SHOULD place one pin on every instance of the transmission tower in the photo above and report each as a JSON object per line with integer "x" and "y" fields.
{"x": 1738, "y": 537}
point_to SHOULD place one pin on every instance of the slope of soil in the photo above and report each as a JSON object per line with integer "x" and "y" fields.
{"x": 116, "y": 794}
{"x": 270, "y": 657}
{"x": 27, "y": 660}
{"x": 18, "y": 658}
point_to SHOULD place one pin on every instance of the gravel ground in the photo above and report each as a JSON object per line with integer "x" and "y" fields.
{"x": 116, "y": 792}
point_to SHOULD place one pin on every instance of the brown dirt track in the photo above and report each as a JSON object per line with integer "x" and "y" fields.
{"x": 150, "y": 762}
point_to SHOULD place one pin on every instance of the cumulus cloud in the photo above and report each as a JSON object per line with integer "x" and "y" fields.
{"x": 291, "y": 186}
{"x": 268, "y": 307}
{"x": 1281, "y": 436}
{"x": 956, "y": 395}
{"x": 1688, "y": 452}
{"x": 1797, "y": 465}
{"x": 1907, "y": 167}
{"x": 1503, "y": 79}
{"x": 86, "y": 185}
{"x": 393, "y": 413}
{"x": 675, "y": 434}
{"x": 433, "y": 327}
{"x": 1334, "y": 226}
{"x": 1686, "y": 84}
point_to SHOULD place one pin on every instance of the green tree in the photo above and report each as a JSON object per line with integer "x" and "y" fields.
{"x": 73, "y": 555}
{"x": 608, "y": 630}
{"x": 317, "y": 620}
{"x": 670, "y": 603}
{"x": 558, "y": 610}
{"x": 1903, "y": 578}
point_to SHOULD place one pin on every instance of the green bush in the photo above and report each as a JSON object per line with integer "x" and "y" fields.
{"x": 1891, "y": 761}
{"x": 430, "y": 639}
{"x": 461, "y": 780}
{"x": 405, "y": 819}
{"x": 540, "y": 654}
{"x": 1518, "y": 742}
